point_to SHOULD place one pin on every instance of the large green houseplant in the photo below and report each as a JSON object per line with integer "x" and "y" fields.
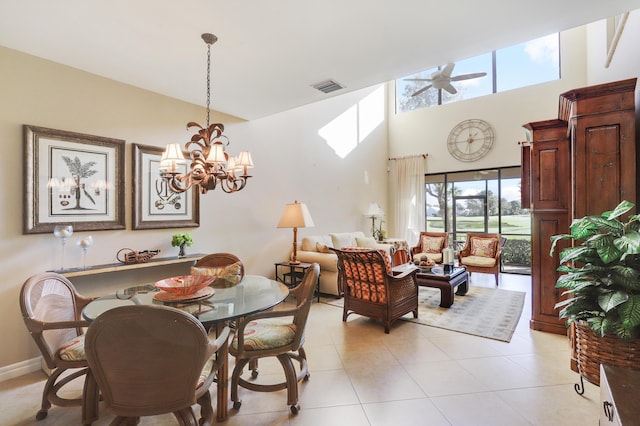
{"x": 602, "y": 279}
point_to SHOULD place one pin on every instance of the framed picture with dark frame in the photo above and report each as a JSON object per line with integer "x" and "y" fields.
{"x": 155, "y": 205}
{"x": 72, "y": 179}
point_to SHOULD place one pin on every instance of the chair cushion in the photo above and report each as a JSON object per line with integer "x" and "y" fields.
{"x": 485, "y": 247}
{"x": 436, "y": 257}
{"x": 266, "y": 334}
{"x": 432, "y": 244}
{"x": 206, "y": 371}
{"x": 485, "y": 262}
{"x": 385, "y": 256}
{"x": 73, "y": 350}
{"x": 227, "y": 276}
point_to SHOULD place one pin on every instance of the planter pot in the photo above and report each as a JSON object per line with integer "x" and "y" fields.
{"x": 591, "y": 351}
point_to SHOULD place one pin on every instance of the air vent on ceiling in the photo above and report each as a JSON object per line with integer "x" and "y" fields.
{"x": 327, "y": 86}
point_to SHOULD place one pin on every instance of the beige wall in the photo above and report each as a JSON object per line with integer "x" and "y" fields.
{"x": 292, "y": 162}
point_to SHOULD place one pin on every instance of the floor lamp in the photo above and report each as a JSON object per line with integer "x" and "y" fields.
{"x": 295, "y": 216}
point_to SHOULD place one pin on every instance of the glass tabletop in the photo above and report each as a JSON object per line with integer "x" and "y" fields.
{"x": 252, "y": 294}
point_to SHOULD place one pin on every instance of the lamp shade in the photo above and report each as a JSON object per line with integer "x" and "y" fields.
{"x": 295, "y": 215}
{"x": 374, "y": 210}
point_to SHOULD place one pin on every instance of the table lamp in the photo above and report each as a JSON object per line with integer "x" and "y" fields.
{"x": 295, "y": 216}
{"x": 373, "y": 212}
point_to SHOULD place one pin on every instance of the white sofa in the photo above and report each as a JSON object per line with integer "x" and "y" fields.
{"x": 316, "y": 249}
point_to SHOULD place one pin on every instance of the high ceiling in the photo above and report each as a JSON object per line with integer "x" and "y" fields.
{"x": 269, "y": 53}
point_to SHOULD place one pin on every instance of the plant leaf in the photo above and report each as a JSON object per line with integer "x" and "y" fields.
{"x": 610, "y": 300}
{"x": 621, "y": 209}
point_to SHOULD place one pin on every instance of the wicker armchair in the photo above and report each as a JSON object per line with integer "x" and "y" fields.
{"x": 481, "y": 253}
{"x": 51, "y": 309}
{"x": 371, "y": 290}
{"x": 430, "y": 244}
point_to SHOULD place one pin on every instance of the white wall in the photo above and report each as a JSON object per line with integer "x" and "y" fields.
{"x": 426, "y": 130}
{"x": 292, "y": 162}
{"x": 625, "y": 62}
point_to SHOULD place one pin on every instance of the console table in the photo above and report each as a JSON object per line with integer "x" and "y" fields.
{"x": 118, "y": 267}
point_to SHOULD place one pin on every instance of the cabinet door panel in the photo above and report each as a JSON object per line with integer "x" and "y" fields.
{"x": 544, "y": 315}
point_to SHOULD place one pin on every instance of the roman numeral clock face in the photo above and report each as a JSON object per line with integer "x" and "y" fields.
{"x": 470, "y": 140}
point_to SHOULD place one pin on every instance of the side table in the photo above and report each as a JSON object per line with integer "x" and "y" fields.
{"x": 291, "y": 274}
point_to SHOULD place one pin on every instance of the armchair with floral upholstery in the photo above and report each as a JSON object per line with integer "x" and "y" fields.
{"x": 370, "y": 288}
{"x": 430, "y": 244}
{"x": 481, "y": 253}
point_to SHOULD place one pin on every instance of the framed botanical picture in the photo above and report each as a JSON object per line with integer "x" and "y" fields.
{"x": 155, "y": 205}
{"x": 72, "y": 179}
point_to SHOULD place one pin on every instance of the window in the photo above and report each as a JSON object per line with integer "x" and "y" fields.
{"x": 525, "y": 64}
{"x": 481, "y": 201}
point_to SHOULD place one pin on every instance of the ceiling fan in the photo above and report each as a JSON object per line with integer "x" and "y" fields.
{"x": 442, "y": 79}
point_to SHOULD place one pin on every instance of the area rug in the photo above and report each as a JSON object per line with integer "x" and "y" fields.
{"x": 486, "y": 312}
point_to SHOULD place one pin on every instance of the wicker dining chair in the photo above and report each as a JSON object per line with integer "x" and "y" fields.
{"x": 150, "y": 360}
{"x": 51, "y": 308}
{"x": 279, "y": 333}
{"x": 370, "y": 288}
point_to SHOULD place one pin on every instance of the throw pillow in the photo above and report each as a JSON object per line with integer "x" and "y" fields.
{"x": 432, "y": 244}
{"x": 368, "y": 242}
{"x": 322, "y": 248}
{"x": 344, "y": 239}
{"x": 231, "y": 273}
{"x": 485, "y": 247}
{"x": 226, "y": 275}
{"x": 208, "y": 271}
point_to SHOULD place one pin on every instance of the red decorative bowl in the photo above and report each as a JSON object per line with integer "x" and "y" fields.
{"x": 184, "y": 285}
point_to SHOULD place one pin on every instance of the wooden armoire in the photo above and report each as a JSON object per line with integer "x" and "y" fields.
{"x": 582, "y": 163}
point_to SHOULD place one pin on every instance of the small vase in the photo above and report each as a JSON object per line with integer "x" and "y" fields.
{"x": 181, "y": 253}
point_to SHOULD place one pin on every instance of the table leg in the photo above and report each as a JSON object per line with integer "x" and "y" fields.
{"x": 446, "y": 296}
{"x": 464, "y": 286}
{"x": 222, "y": 397}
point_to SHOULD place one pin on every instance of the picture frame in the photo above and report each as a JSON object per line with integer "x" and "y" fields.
{"x": 72, "y": 179}
{"x": 155, "y": 205}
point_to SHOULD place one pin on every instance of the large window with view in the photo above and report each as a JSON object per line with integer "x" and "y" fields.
{"x": 533, "y": 62}
{"x": 481, "y": 201}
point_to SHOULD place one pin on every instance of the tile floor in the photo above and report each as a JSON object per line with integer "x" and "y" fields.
{"x": 416, "y": 375}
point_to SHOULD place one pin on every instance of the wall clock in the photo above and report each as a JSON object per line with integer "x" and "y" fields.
{"x": 470, "y": 140}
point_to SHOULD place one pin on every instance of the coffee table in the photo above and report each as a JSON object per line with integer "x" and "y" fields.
{"x": 449, "y": 283}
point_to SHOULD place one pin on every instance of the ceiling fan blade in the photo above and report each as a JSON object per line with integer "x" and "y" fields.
{"x": 448, "y": 69}
{"x": 449, "y": 88}
{"x": 416, "y": 79}
{"x": 424, "y": 89}
{"x": 468, "y": 76}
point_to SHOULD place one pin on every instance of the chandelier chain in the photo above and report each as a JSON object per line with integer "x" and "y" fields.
{"x": 208, "y": 81}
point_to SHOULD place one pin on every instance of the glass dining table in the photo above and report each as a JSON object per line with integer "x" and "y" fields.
{"x": 253, "y": 294}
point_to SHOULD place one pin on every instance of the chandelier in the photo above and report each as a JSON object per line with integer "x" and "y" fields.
{"x": 211, "y": 166}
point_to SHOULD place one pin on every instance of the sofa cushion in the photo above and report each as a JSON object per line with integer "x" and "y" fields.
{"x": 343, "y": 239}
{"x": 310, "y": 243}
{"x": 368, "y": 242}
{"x": 485, "y": 247}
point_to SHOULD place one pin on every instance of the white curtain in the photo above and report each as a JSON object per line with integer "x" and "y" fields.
{"x": 409, "y": 198}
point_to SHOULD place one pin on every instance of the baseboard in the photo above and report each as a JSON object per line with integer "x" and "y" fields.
{"x": 20, "y": 369}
